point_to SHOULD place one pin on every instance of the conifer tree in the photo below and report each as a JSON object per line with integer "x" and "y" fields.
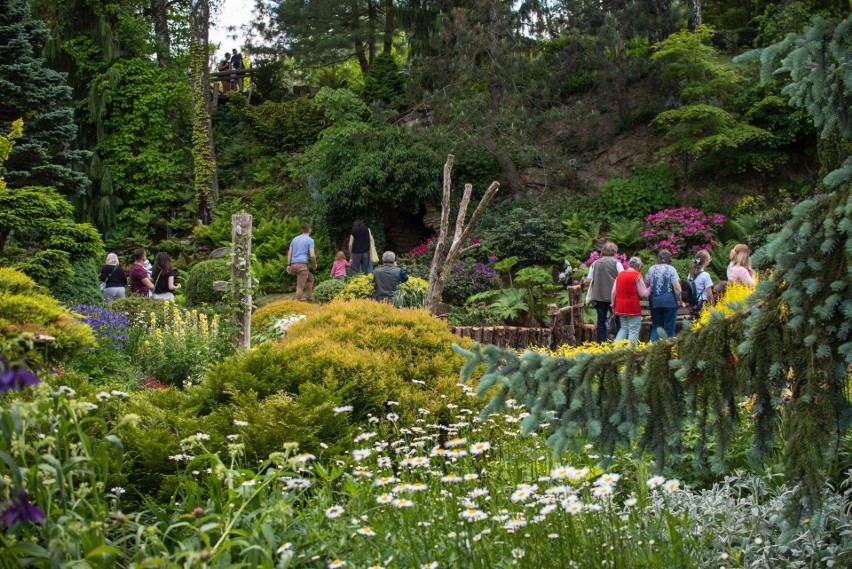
{"x": 40, "y": 96}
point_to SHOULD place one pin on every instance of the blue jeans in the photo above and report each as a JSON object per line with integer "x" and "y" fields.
{"x": 603, "y": 309}
{"x": 665, "y": 318}
{"x": 360, "y": 262}
{"x": 630, "y": 326}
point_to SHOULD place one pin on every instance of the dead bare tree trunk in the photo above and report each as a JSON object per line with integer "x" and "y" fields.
{"x": 446, "y": 252}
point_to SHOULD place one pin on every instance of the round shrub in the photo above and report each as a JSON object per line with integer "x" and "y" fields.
{"x": 326, "y": 291}
{"x": 649, "y": 189}
{"x": 26, "y": 313}
{"x": 276, "y": 310}
{"x": 199, "y": 286}
{"x": 358, "y": 353}
{"x": 682, "y": 231}
{"x": 529, "y": 235}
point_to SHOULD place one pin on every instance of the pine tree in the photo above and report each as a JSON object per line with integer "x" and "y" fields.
{"x": 40, "y": 96}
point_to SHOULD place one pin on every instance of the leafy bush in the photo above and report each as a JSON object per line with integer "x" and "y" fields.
{"x": 82, "y": 287}
{"x": 682, "y": 230}
{"x": 199, "y": 289}
{"x": 383, "y": 82}
{"x": 289, "y": 126}
{"x": 468, "y": 277}
{"x": 35, "y": 327}
{"x": 327, "y": 291}
{"x": 412, "y": 292}
{"x": 528, "y": 235}
{"x": 649, "y": 189}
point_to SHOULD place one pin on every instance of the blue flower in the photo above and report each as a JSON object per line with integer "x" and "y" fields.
{"x": 15, "y": 379}
{"x": 20, "y": 511}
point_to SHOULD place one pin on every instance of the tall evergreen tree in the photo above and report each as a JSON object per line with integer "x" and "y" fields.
{"x": 40, "y": 96}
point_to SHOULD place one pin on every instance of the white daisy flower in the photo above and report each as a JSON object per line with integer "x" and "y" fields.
{"x": 334, "y": 512}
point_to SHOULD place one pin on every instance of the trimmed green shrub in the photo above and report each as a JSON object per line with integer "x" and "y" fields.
{"x": 529, "y": 235}
{"x": 648, "y": 190}
{"x": 82, "y": 287}
{"x": 199, "y": 289}
{"x": 326, "y": 291}
{"x": 35, "y": 327}
{"x": 383, "y": 82}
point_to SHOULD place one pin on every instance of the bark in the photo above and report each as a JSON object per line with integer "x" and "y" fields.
{"x": 372, "y": 26}
{"x": 159, "y": 16}
{"x": 446, "y": 253}
{"x": 389, "y": 23}
{"x": 204, "y": 154}
{"x": 507, "y": 166}
{"x": 695, "y": 18}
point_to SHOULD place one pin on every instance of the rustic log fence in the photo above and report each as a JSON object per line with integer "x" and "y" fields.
{"x": 567, "y": 326}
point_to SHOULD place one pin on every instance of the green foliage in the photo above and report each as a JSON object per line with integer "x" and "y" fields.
{"x": 289, "y": 126}
{"x": 647, "y": 190}
{"x": 38, "y": 236}
{"x": 412, "y": 293}
{"x": 33, "y": 326}
{"x": 383, "y": 82}
{"x": 529, "y": 235}
{"x": 142, "y": 159}
{"x": 627, "y": 234}
{"x": 82, "y": 287}
{"x": 342, "y": 105}
{"x": 199, "y": 289}
{"x": 41, "y": 97}
{"x": 360, "y": 168}
{"x": 327, "y": 291}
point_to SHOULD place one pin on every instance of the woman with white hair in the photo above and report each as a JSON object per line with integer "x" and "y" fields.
{"x": 626, "y": 290}
{"x": 113, "y": 279}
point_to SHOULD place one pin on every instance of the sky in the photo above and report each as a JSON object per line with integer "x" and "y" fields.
{"x": 233, "y": 13}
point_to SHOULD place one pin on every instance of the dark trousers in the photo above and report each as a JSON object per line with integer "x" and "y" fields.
{"x": 665, "y": 318}
{"x": 360, "y": 262}
{"x": 603, "y": 309}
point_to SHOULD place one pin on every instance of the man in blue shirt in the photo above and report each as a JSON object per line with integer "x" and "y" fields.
{"x": 300, "y": 252}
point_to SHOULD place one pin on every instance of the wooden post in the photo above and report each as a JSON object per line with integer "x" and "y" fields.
{"x": 241, "y": 276}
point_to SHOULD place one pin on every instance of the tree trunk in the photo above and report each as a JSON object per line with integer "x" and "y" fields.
{"x": 694, "y": 14}
{"x": 504, "y": 161}
{"x": 159, "y": 16}
{"x": 241, "y": 277}
{"x": 446, "y": 252}
{"x": 203, "y": 152}
{"x": 372, "y": 27}
{"x": 389, "y": 23}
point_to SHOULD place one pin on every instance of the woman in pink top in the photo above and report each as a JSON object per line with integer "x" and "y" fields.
{"x": 740, "y": 267}
{"x": 338, "y": 268}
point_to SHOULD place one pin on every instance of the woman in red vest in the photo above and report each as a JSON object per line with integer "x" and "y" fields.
{"x": 626, "y": 290}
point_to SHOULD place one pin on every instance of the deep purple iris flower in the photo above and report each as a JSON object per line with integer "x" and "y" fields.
{"x": 15, "y": 379}
{"x": 20, "y": 511}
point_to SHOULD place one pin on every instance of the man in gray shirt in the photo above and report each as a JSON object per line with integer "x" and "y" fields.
{"x": 387, "y": 278}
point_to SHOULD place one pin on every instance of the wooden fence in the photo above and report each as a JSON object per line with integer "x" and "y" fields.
{"x": 568, "y": 326}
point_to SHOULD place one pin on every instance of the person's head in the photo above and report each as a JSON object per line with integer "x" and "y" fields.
{"x": 112, "y": 260}
{"x": 162, "y": 264}
{"x": 234, "y": 51}
{"x": 664, "y": 257}
{"x": 699, "y": 263}
{"x": 306, "y": 228}
{"x": 340, "y": 256}
{"x": 358, "y": 224}
{"x": 635, "y": 263}
{"x": 609, "y": 249}
{"x": 388, "y": 257}
{"x": 741, "y": 255}
{"x": 227, "y": 56}
{"x": 139, "y": 256}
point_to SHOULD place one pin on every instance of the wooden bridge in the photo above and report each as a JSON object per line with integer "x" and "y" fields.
{"x": 219, "y": 77}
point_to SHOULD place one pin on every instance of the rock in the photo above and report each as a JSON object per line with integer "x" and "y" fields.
{"x": 220, "y": 253}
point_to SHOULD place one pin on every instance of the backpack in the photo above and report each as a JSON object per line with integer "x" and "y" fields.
{"x": 689, "y": 294}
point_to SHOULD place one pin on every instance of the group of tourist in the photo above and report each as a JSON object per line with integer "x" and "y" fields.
{"x": 615, "y": 291}
{"x": 157, "y": 280}
{"x": 386, "y": 279}
{"x": 232, "y": 62}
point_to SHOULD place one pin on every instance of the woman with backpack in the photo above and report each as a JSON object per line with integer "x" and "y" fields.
{"x": 699, "y": 284}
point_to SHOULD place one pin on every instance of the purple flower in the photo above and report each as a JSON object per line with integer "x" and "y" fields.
{"x": 20, "y": 511}
{"x": 15, "y": 379}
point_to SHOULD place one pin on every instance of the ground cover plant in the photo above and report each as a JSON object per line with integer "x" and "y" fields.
{"x": 460, "y": 491}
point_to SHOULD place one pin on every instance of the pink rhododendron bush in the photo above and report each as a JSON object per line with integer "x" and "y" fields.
{"x": 682, "y": 230}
